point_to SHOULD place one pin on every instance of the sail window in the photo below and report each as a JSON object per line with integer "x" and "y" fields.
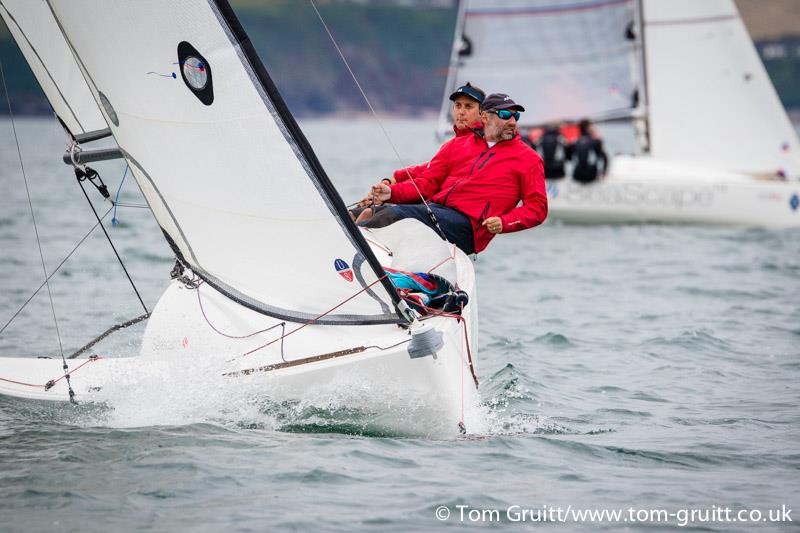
{"x": 196, "y": 72}
{"x": 109, "y": 109}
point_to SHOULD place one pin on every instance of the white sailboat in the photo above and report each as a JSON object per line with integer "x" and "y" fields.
{"x": 281, "y": 299}
{"x": 713, "y": 144}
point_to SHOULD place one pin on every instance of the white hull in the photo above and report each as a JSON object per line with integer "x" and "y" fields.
{"x": 390, "y": 391}
{"x": 646, "y": 190}
{"x": 367, "y": 369}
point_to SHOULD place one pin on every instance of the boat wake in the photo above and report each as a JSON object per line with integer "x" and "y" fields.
{"x": 187, "y": 394}
{"x": 509, "y": 407}
{"x": 192, "y": 391}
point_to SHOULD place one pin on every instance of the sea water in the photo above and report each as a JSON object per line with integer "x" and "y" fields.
{"x": 632, "y": 377}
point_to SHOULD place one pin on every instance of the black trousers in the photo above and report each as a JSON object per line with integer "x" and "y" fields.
{"x": 456, "y": 226}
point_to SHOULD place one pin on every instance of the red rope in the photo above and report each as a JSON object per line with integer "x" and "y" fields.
{"x": 20, "y": 383}
{"x": 430, "y": 310}
{"x": 436, "y": 312}
{"x": 461, "y": 381}
{"x": 332, "y": 309}
{"x": 379, "y": 245}
{"x": 203, "y": 311}
{"x": 469, "y": 353}
{"x": 92, "y": 359}
{"x": 443, "y": 261}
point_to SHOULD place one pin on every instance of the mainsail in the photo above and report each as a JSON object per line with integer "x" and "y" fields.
{"x": 228, "y": 174}
{"x": 710, "y": 99}
{"x": 686, "y": 70}
{"x": 559, "y": 58}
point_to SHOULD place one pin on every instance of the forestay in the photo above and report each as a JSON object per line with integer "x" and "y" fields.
{"x": 228, "y": 174}
{"x": 710, "y": 99}
{"x": 559, "y": 58}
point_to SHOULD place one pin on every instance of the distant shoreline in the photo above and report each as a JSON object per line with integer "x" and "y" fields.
{"x": 423, "y": 115}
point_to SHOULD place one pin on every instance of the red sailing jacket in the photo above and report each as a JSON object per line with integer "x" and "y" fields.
{"x": 403, "y": 174}
{"x": 484, "y": 182}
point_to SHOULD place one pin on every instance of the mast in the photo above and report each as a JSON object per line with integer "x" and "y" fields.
{"x": 641, "y": 114}
{"x": 449, "y": 86}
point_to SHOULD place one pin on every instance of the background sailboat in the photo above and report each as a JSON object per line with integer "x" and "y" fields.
{"x": 275, "y": 286}
{"x": 709, "y": 137}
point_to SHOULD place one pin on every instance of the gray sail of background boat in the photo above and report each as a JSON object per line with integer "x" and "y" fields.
{"x": 714, "y": 144}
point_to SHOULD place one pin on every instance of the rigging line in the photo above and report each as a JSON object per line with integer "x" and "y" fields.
{"x": 309, "y": 322}
{"x": 33, "y": 215}
{"x": 361, "y": 90}
{"x": 52, "y": 382}
{"x": 38, "y": 240}
{"x": 432, "y": 313}
{"x": 384, "y": 348}
{"x": 222, "y": 333}
{"x": 451, "y": 257}
{"x": 282, "y": 325}
{"x": 229, "y": 335}
{"x": 49, "y": 385}
{"x": 114, "y": 220}
{"x": 137, "y": 206}
{"x": 24, "y": 384}
{"x": 375, "y": 115}
{"x": 108, "y": 332}
{"x": 108, "y": 237}
{"x": 53, "y": 273}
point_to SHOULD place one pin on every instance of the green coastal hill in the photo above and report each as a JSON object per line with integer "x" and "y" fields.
{"x": 398, "y": 54}
{"x": 398, "y": 51}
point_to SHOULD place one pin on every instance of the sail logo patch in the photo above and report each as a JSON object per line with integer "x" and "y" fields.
{"x": 794, "y": 202}
{"x": 343, "y": 269}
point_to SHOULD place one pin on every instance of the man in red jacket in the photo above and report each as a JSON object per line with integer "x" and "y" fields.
{"x": 488, "y": 174}
{"x": 466, "y": 100}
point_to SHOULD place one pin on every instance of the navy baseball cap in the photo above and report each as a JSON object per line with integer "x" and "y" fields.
{"x": 498, "y": 101}
{"x": 468, "y": 90}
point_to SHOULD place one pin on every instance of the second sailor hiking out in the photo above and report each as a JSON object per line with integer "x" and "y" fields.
{"x": 475, "y": 194}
